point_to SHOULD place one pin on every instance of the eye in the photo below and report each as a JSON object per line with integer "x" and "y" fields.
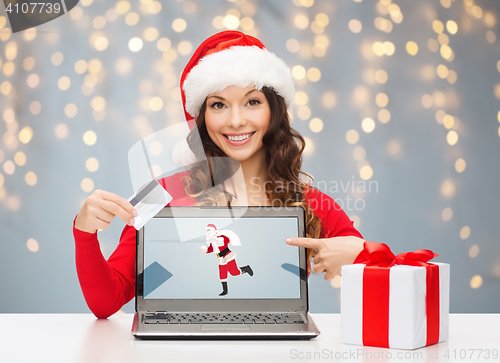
{"x": 217, "y": 105}
{"x": 254, "y": 102}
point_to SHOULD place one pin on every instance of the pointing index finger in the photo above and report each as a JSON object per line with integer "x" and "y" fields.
{"x": 302, "y": 242}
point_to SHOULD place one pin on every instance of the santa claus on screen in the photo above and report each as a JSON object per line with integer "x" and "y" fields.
{"x": 218, "y": 243}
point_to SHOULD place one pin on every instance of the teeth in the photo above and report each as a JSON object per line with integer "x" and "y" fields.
{"x": 239, "y": 138}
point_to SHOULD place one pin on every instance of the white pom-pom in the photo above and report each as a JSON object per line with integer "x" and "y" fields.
{"x": 182, "y": 155}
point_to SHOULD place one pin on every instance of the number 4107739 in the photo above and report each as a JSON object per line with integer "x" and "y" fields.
{"x": 471, "y": 353}
{"x": 25, "y": 8}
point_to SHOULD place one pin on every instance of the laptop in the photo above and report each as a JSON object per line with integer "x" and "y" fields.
{"x": 222, "y": 273}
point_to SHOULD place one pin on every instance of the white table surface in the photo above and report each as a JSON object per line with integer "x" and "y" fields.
{"x": 52, "y": 338}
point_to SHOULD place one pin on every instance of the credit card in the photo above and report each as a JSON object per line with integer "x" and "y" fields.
{"x": 148, "y": 202}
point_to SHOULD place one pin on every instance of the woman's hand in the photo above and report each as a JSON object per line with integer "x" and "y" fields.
{"x": 332, "y": 253}
{"x": 100, "y": 209}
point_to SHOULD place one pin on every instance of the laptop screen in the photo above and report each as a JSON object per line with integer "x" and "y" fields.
{"x": 248, "y": 254}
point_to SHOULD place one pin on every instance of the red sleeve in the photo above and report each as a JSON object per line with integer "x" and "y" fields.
{"x": 334, "y": 221}
{"x": 210, "y": 249}
{"x": 106, "y": 285}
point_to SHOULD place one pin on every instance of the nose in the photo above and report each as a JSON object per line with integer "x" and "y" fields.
{"x": 237, "y": 118}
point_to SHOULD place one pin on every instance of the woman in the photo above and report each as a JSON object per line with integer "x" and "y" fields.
{"x": 236, "y": 93}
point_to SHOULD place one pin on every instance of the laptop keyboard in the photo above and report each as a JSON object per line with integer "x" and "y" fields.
{"x": 223, "y": 318}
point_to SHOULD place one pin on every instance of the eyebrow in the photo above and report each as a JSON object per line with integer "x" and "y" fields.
{"x": 222, "y": 98}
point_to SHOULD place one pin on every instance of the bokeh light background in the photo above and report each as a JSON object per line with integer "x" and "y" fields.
{"x": 401, "y": 97}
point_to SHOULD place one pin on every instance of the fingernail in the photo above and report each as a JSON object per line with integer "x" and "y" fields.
{"x": 288, "y": 240}
{"x": 131, "y": 222}
{"x": 134, "y": 213}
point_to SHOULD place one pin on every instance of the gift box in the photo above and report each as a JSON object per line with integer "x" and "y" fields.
{"x": 394, "y": 301}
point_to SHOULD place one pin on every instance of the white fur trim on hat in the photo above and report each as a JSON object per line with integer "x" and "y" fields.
{"x": 240, "y": 66}
{"x": 182, "y": 155}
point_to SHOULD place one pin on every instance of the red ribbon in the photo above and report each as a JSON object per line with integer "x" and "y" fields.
{"x": 378, "y": 259}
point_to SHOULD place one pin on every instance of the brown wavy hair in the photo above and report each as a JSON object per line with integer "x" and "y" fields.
{"x": 284, "y": 146}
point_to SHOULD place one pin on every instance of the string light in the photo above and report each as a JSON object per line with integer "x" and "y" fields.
{"x": 70, "y": 110}
{"x": 98, "y": 103}
{"x": 490, "y": 36}
{"x": 368, "y": 125}
{"x": 381, "y": 100}
{"x": 465, "y": 232}
{"x": 150, "y": 34}
{"x": 231, "y": 22}
{"x": 361, "y": 95}
{"x": 166, "y": 97}
{"x": 163, "y": 44}
{"x": 316, "y": 125}
{"x": 32, "y": 245}
{"x": 92, "y": 164}
{"x": 448, "y": 188}
{"x": 355, "y": 26}
{"x": 359, "y": 153}
{"x": 61, "y": 131}
{"x": 301, "y": 98}
{"x": 352, "y": 136}
{"x": 189, "y": 7}
{"x": 316, "y": 27}
{"x": 87, "y": 185}
{"x": 313, "y": 74}
{"x": 460, "y": 165}
{"x": 476, "y": 282}
{"x": 452, "y": 137}
{"x": 303, "y": 112}
{"x": 473, "y": 251}
{"x": 135, "y": 44}
{"x": 155, "y": 104}
{"x": 89, "y": 138}
{"x": 25, "y": 135}
{"x": 412, "y": 48}
{"x": 154, "y": 7}
{"x": 185, "y": 47}
{"x": 179, "y": 25}
{"x": 20, "y": 158}
{"x": 329, "y": 100}
{"x": 381, "y": 76}
{"x": 33, "y": 80}
{"x": 30, "y": 178}
{"x": 293, "y": 45}
{"x": 5, "y": 88}
{"x": 9, "y": 167}
{"x": 298, "y": 72}
{"x": 131, "y": 19}
{"x": 301, "y": 21}
{"x": 447, "y": 214}
{"x": 366, "y": 172}
{"x": 123, "y": 66}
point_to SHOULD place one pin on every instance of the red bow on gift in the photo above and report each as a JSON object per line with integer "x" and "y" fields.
{"x": 379, "y": 259}
{"x": 379, "y": 254}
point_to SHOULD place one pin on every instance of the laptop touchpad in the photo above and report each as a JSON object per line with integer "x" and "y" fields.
{"x": 219, "y": 327}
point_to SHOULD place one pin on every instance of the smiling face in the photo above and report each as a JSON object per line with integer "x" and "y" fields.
{"x": 236, "y": 120}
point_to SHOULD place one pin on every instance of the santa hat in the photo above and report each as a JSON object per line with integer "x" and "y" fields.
{"x": 211, "y": 226}
{"x": 232, "y": 58}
